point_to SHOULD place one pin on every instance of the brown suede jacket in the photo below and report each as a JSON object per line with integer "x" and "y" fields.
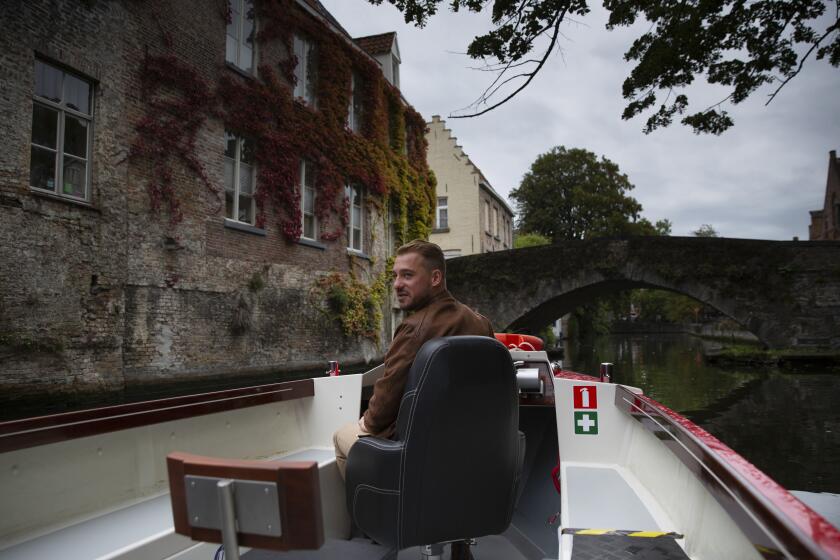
{"x": 442, "y": 316}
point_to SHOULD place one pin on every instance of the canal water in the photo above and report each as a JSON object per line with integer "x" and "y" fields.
{"x": 785, "y": 421}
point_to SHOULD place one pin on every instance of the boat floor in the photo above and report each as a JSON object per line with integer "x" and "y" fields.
{"x": 493, "y": 547}
{"x": 613, "y": 547}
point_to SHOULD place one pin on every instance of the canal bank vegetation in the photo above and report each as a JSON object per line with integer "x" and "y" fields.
{"x": 758, "y": 356}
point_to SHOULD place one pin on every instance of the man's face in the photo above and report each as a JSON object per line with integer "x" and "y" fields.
{"x": 414, "y": 283}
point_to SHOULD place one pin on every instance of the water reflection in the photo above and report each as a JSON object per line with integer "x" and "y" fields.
{"x": 786, "y": 422}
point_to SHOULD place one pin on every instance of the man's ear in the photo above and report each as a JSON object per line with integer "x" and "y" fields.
{"x": 437, "y": 277}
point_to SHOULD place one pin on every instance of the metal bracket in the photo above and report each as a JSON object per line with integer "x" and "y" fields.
{"x": 255, "y": 504}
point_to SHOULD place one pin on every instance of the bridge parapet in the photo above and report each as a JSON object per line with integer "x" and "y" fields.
{"x": 787, "y": 293}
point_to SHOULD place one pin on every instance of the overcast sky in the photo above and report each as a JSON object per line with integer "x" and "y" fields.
{"x": 758, "y": 180}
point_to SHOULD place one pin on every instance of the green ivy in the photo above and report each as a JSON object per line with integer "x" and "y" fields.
{"x": 354, "y": 304}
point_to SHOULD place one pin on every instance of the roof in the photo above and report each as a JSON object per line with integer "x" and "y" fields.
{"x": 376, "y": 44}
{"x": 323, "y": 12}
{"x": 482, "y": 179}
{"x": 482, "y": 182}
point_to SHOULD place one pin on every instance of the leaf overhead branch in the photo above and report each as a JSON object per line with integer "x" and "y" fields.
{"x": 740, "y": 45}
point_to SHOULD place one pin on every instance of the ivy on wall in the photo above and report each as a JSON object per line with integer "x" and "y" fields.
{"x": 356, "y": 305}
{"x": 179, "y": 102}
{"x": 388, "y": 156}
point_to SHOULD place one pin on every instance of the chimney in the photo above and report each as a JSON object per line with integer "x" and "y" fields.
{"x": 832, "y": 155}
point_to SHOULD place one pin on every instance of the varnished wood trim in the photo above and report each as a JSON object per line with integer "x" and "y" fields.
{"x": 30, "y": 432}
{"x": 299, "y": 494}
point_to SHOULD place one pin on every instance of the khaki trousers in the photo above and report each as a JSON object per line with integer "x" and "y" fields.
{"x": 344, "y": 439}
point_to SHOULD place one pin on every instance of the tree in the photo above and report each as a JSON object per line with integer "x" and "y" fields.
{"x": 737, "y": 44}
{"x": 530, "y": 240}
{"x": 706, "y": 230}
{"x": 571, "y": 194}
{"x": 645, "y": 227}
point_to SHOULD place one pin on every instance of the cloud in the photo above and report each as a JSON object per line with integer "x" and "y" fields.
{"x": 756, "y": 181}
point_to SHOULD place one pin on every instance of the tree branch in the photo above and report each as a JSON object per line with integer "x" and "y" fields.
{"x": 530, "y": 75}
{"x": 828, "y": 32}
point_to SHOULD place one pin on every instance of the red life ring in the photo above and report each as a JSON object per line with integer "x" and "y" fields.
{"x": 520, "y": 341}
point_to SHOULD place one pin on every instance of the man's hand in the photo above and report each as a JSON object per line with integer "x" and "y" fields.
{"x": 362, "y": 426}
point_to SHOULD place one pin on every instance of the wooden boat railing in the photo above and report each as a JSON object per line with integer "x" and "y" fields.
{"x": 31, "y": 432}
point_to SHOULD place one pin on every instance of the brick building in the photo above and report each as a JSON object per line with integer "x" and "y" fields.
{"x": 470, "y": 216}
{"x": 179, "y": 176}
{"x": 825, "y": 223}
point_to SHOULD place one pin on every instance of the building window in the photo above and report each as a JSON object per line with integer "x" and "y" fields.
{"x": 392, "y": 231}
{"x": 442, "y": 212}
{"x": 487, "y": 217}
{"x": 307, "y": 200}
{"x": 354, "y": 109}
{"x": 395, "y": 71}
{"x": 62, "y": 119}
{"x": 305, "y": 54}
{"x": 496, "y": 222}
{"x": 356, "y": 217}
{"x": 239, "y": 48}
{"x": 240, "y": 179}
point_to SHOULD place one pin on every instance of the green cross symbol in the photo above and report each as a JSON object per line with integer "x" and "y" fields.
{"x": 586, "y": 422}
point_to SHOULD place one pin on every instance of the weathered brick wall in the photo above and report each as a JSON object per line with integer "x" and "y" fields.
{"x": 109, "y": 293}
{"x": 62, "y": 265}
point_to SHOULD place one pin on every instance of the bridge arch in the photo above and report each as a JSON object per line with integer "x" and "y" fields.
{"x": 786, "y": 293}
{"x": 566, "y": 302}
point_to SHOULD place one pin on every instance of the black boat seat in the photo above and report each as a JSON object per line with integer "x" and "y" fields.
{"x": 452, "y": 470}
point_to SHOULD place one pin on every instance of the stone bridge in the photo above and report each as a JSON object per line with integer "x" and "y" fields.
{"x": 787, "y": 293}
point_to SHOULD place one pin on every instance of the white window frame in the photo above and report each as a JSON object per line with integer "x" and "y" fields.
{"x": 395, "y": 71}
{"x": 354, "y": 118}
{"x": 487, "y": 216}
{"x": 304, "y": 49}
{"x": 349, "y": 192}
{"x": 237, "y": 184}
{"x": 496, "y": 222}
{"x": 244, "y": 7}
{"x": 392, "y": 232}
{"x": 306, "y": 168}
{"x": 63, "y": 110}
{"x": 444, "y": 206}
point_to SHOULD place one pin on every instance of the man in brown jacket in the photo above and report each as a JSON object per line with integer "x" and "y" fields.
{"x": 420, "y": 286}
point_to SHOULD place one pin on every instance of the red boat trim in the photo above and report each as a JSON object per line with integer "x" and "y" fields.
{"x": 566, "y": 374}
{"x": 773, "y": 519}
{"x": 31, "y": 432}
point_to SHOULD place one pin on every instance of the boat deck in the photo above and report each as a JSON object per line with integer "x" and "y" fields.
{"x": 611, "y": 515}
{"x": 493, "y": 547}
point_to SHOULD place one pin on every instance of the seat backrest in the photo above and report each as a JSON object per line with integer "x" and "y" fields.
{"x": 458, "y": 422}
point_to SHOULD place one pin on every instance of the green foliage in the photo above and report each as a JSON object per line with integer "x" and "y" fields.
{"x": 661, "y": 305}
{"x": 571, "y": 194}
{"x": 24, "y": 343}
{"x": 548, "y": 337}
{"x": 530, "y": 240}
{"x": 739, "y": 45}
{"x": 591, "y": 320}
{"x": 256, "y": 283}
{"x": 645, "y": 227}
{"x": 356, "y": 305}
{"x": 706, "y": 230}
